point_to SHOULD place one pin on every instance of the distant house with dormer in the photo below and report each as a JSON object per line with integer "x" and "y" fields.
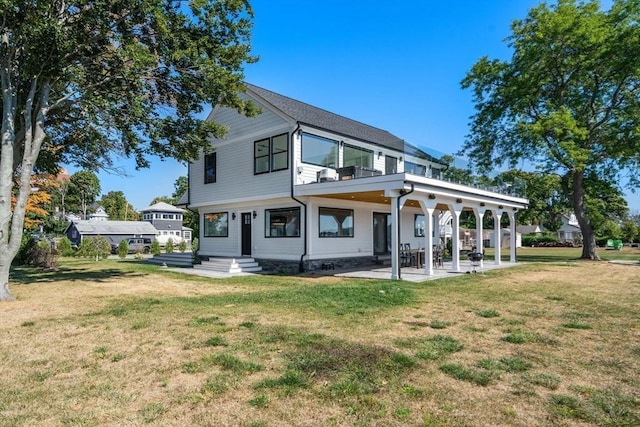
{"x": 167, "y": 219}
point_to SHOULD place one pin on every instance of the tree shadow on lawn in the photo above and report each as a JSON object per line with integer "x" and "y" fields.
{"x": 29, "y": 275}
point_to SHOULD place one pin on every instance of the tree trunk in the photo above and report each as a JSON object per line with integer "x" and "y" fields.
{"x": 5, "y": 265}
{"x": 589, "y": 248}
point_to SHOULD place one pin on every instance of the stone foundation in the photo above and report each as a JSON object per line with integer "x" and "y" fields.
{"x": 293, "y": 267}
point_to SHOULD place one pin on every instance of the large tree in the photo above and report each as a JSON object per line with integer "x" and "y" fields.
{"x": 567, "y": 100}
{"x": 84, "y": 188}
{"x": 117, "y": 207}
{"x": 86, "y": 80}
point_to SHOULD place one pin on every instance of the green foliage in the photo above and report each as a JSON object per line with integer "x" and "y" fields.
{"x": 168, "y": 248}
{"x": 123, "y": 249}
{"x": 459, "y": 372}
{"x": 182, "y": 247}
{"x": 195, "y": 243}
{"x": 534, "y": 239}
{"x": 566, "y": 101}
{"x": 64, "y": 247}
{"x": 37, "y": 254}
{"x": 154, "y": 249}
{"x": 117, "y": 207}
{"x": 94, "y": 247}
{"x": 84, "y": 188}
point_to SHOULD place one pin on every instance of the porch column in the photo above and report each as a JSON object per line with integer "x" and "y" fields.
{"x": 395, "y": 259}
{"x": 512, "y": 226}
{"x": 479, "y": 213}
{"x": 455, "y": 210}
{"x": 497, "y": 229}
{"x": 428, "y": 207}
{"x": 436, "y": 226}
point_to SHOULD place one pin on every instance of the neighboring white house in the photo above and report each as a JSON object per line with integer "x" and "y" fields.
{"x": 167, "y": 219}
{"x": 570, "y": 230}
{"x": 297, "y": 186}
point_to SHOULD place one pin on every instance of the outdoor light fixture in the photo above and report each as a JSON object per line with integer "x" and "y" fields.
{"x": 379, "y": 154}
{"x": 432, "y": 196}
{"x": 233, "y": 215}
{"x": 458, "y": 200}
{"x": 500, "y": 207}
{"x": 481, "y": 203}
{"x": 255, "y": 214}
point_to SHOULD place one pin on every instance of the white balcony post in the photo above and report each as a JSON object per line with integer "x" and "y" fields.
{"x": 497, "y": 230}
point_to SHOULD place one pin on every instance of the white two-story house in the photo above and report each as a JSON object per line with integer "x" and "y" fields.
{"x": 297, "y": 187}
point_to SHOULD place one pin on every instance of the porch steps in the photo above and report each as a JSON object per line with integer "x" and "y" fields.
{"x": 175, "y": 259}
{"x": 230, "y": 265}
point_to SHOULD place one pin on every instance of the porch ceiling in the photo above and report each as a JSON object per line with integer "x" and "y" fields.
{"x": 377, "y": 197}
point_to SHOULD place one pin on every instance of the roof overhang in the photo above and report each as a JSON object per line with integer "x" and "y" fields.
{"x": 381, "y": 189}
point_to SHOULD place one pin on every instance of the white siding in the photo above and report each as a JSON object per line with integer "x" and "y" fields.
{"x": 262, "y": 247}
{"x": 234, "y": 162}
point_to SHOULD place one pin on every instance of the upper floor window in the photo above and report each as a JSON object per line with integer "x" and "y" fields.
{"x": 414, "y": 168}
{"x": 271, "y": 154}
{"x": 357, "y": 156}
{"x": 336, "y": 222}
{"x": 282, "y": 222}
{"x": 210, "y": 168}
{"x": 320, "y": 151}
{"x": 390, "y": 165}
{"x": 216, "y": 224}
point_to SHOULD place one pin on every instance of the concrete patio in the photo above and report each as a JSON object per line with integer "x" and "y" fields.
{"x": 410, "y": 274}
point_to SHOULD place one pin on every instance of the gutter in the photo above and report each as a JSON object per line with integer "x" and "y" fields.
{"x": 402, "y": 194}
{"x": 293, "y": 176}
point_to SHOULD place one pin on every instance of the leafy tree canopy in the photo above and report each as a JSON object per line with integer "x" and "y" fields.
{"x": 86, "y": 81}
{"x": 567, "y": 101}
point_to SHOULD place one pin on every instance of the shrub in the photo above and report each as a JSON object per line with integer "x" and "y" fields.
{"x": 64, "y": 247}
{"x": 94, "y": 247}
{"x": 168, "y": 248}
{"x": 535, "y": 239}
{"x": 155, "y": 247}
{"x": 194, "y": 250}
{"x": 38, "y": 254}
{"x": 182, "y": 246}
{"x": 123, "y": 249}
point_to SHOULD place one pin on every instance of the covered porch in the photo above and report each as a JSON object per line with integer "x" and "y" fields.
{"x": 432, "y": 197}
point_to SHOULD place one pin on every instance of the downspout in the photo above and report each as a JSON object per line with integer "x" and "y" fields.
{"x": 293, "y": 177}
{"x": 402, "y": 194}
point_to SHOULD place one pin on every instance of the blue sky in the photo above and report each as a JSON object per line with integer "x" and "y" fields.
{"x": 394, "y": 65}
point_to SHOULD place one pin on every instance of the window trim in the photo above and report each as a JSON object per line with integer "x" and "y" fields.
{"x": 267, "y": 226}
{"x": 204, "y": 228}
{"x": 337, "y": 144}
{"x": 211, "y": 179}
{"x": 256, "y": 157}
{"x": 271, "y": 153}
{"x": 358, "y": 148}
{"x": 353, "y": 219}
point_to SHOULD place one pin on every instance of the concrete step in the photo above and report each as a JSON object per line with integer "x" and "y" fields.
{"x": 231, "y": 265}
{"x": 176, "y": 259}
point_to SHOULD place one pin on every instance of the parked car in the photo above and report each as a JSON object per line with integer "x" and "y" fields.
{"x": 136, "y": 245}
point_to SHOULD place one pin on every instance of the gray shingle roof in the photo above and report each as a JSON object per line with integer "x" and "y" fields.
{"x": 162, "y": 207}
{"x": 115, "y": 227}
{"x": 323, "y": 119}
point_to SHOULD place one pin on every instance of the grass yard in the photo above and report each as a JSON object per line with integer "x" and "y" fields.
{"x": 123, "y": 343}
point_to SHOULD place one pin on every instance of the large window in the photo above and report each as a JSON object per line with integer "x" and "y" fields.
{"x": 216, "y": 224}
{"x": 210, "y": 168}
{"x": 320, "y": 151}
{"x": 336, "y": 222}
{"x": 282, "y": 222}
{"x": 356, "y": 156}
{"x": 415, "y": 168}
{"x": 271, "y": 154}
{"x": 418, "y": 225}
